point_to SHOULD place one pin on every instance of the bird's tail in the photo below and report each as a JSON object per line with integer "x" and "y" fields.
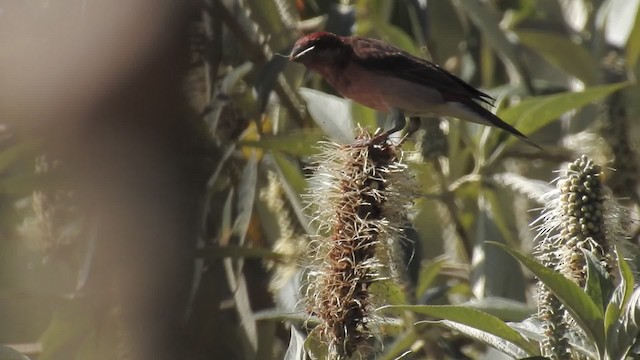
{"x": 474, "y": 112}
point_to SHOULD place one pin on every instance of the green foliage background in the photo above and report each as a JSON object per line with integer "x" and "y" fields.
{"x": 133, "y": 224}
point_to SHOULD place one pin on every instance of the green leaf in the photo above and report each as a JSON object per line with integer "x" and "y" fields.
{"x": 331, "y": 113}
{"x": 246, "y": 197}
{"x": 534, "y": 113}
{"x": 399, "y": 346}
{"x": 626, "y": 330}
{"x": 583, "y": 310}
{"x": 389, "y": 290}
{"x": 299, "y": 143}
{"x": 316, "y": 348}
{"x": 428, "y": 274}
{"x": 290, "y": 171}
{"x": 633, "y": 43}
{"x": 599, "y": 285}
{"x": 496, "y": 342}
{"x": 472, "y": 318}
{"x": 621, "y": 294}
{"x": 613, "y": 324}
{"x": 560, "y": 51}
{"x": 364, "y": 116}
{"x": 502, "y": 308}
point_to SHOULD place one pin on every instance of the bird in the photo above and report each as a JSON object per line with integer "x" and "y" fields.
{"x": 390, "y": 80}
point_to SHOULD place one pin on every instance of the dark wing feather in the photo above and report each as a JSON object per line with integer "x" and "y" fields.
{"x": 378, "y": 56}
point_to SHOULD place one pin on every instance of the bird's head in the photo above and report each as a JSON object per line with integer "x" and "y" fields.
{"x": 319, "y": 49}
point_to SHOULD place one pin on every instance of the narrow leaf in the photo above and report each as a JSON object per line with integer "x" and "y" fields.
{"x": 502, "y": 308}
{"x": 487, "y": 338}
{"x": 633, "y": 43}
{"x": 470, "y": 317}
{"x": 299, "y": 143}
{"x": 331, "y": 113}
{"x": 534, "y": 113}
{"x": 246, "y": 198}
{"x": 583, "y": 310}
{"x": 562, "y": 52}
{"x": 625, "y": 333}
{"x": 427, "y": 275}
{"x": 614, "y": 321}
{"x": 295, "y": 351}
{"x": 599, "y": 285}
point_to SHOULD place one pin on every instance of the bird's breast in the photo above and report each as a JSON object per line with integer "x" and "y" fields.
{"x": 384, "y": 92}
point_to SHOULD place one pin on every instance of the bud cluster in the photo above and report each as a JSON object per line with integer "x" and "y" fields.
{"x": 582, "y": 203}
{"x": 579, "y": 217}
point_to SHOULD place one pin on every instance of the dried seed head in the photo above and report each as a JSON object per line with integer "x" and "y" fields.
{"x": 359, "y": 195}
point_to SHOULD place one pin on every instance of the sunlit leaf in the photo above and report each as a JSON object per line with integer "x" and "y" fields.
{"x": 534, "y": 113}
{"x": 295, "y": 351}
{"x": 619, "y": 22}
{"x": 473, "y": 318}
{"x": 599, "y": 285}
{"x": 488, "y": 338}
{"x": 502, "y": 308}
{"x": 331, "y": 113}
{"x": 617, "y": 328}
{"x": 633, "y": 43}
{"x": 583, "y": 310}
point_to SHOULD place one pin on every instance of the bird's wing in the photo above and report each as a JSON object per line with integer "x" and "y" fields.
{"x": 381, "y": 57}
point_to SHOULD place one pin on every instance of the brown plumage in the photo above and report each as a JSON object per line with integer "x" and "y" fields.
{"x": 388, "y": 79}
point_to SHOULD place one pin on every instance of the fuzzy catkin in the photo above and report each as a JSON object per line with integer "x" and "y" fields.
{"x": 552, "y": 314}
{"x": 582, "y": 203}
{"x": 359, "y": 193}
{"x": 579, "y": 216}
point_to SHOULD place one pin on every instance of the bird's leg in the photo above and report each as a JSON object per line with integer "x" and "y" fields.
{"x": 399, "y": 122}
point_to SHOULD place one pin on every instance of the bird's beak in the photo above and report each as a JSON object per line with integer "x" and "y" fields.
{"x": 296, "y": 54}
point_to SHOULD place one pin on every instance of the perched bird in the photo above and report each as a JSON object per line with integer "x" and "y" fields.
{"x": 388, "y": 79}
